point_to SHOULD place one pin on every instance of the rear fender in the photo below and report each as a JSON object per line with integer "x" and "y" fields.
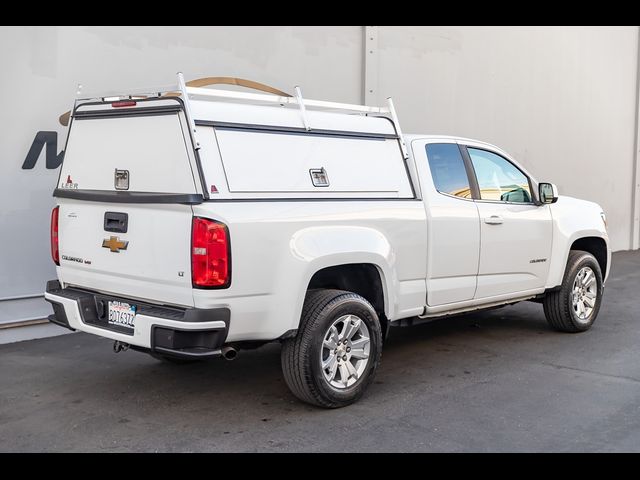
{"x": 322, "y": 247}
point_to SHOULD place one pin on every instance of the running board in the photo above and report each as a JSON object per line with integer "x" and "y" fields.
{"x": 484, "y": 306}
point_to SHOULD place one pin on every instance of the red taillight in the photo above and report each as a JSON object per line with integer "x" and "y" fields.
{"x": 55, "y": 252}
{"x": 126, "y": 103}
{"x": 210, "y": 255}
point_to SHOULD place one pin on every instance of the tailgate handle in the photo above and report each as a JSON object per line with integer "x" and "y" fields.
{"x": 116, "y": 222}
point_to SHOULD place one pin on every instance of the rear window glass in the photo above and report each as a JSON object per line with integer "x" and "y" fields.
{"x": 448, "y": 170}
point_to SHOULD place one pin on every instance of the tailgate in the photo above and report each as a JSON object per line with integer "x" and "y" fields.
{"x": 125, "y": 189}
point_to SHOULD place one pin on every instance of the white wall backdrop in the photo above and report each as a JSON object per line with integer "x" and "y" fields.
{"x": 563, "y": 100}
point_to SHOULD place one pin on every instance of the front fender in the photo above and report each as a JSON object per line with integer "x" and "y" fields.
{"x": 573, "y": 219}
{"x": 322, "y": 247}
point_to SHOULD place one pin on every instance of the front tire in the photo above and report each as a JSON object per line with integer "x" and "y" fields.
{"x": 334, "y": 357}
{"x": 574, "y": 307}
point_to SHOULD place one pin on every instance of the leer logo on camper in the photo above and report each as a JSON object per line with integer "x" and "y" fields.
{"x": 69, "y": 184}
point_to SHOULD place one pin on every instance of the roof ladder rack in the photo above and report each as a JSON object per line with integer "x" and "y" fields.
{"x": 396, "y": 124}
{"x": 285, "y": 100}
{"x": 268, "y": 96}
{"x": 303, "y": 111}
{"x": 187, "y": 107}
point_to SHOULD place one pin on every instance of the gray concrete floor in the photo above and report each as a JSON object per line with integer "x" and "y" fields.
{"x": 496, "y": 381}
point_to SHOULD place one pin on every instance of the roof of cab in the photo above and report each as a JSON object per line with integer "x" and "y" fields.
{"x": 413, "y": 136}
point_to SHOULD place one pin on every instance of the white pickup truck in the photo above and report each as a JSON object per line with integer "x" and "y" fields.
{"x": 193, "y": 222}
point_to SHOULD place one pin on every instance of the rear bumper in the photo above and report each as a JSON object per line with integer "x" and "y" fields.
{"x": 189, "y": 332}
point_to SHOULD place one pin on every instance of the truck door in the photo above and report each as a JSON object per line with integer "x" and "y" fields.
{"x": 516, "y": 234}
{"x": 453, "y": 230}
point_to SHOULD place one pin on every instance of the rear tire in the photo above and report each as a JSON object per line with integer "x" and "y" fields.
{"x": 334, "y": 357}
{"x": 574, "y": 307}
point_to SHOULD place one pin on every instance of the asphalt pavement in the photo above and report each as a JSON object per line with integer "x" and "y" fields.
{"x": 494, "y": 381}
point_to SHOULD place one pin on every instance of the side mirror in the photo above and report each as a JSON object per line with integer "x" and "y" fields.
{"x": 548, "y": 193}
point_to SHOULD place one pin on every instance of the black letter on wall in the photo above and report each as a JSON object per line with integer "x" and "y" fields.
{"x": 54, "y": 159}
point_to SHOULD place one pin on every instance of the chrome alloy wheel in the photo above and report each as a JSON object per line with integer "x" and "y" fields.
{"x": 584, "y": 294}
{"x": 345, "y": 351}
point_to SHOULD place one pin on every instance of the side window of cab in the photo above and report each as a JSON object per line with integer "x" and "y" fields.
{"x": 499, "y": 180}
{"x": 448, "y": 170}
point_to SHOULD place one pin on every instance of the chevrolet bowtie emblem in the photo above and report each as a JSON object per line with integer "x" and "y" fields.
{"x": 115, "y": 244}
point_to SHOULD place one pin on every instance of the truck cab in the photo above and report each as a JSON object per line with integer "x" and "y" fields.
{"x": 492, "y": 238}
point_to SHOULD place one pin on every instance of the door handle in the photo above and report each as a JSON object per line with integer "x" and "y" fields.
{"x": 494, "y": 220}
{"x": 116, "y": 222}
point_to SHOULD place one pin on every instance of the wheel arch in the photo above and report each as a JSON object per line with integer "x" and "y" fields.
{"x": 344, "y": 257}
{"x": 597, "y": 247}
{"x": 589, "y": 241}
{"x": 364, "y": 279}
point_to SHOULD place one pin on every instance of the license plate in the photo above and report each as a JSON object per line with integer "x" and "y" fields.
{"x": 122, "y": 314}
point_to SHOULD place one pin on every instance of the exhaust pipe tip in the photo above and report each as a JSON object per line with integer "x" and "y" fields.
{"x": 229, "y": 353}
{"x": 119, "y": 346}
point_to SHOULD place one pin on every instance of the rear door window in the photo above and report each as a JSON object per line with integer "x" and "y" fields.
{"x": 448, "y": 170}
